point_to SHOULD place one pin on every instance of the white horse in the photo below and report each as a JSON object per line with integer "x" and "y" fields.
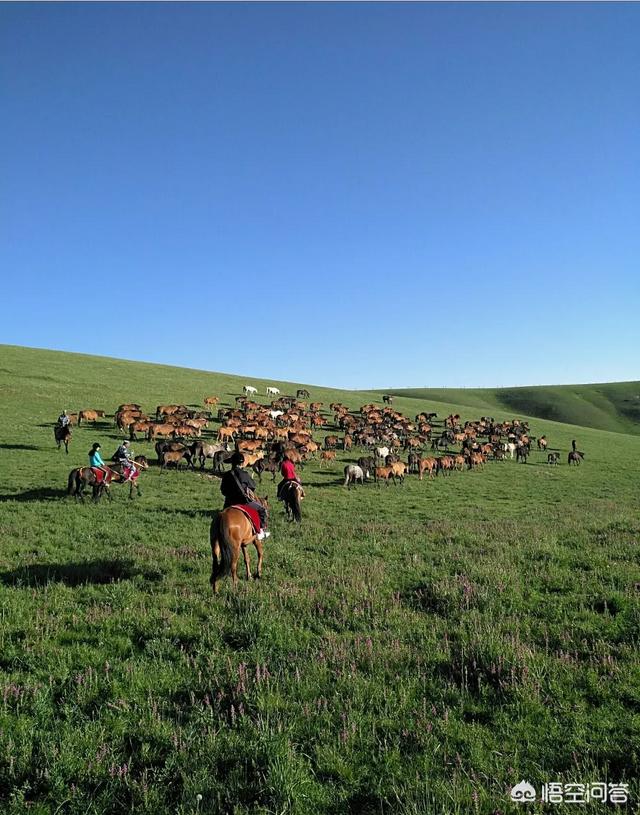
{"x": 249, "y": 390}
{"x": 272, "y": 391}
{"x": 511, "y": 448}
{"x": 275, "y": 413}
{"x": 352, "y": 474}
{"x": 382, "y": 452}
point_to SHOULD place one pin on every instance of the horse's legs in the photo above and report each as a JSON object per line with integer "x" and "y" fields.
{"x": 235, "y": 554}
{"x": 247, "y": 565}
{"x": 258, "y": 545}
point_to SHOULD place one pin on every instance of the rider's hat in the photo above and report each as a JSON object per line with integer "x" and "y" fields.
{"x": 236, "y": 459}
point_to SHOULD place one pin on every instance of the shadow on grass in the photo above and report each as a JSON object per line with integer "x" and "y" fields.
{"x": 38, "y": 494}
{"x": 77, "y": 574}
{"x": 18, "y": 447}
{"x": 191, "y": 513}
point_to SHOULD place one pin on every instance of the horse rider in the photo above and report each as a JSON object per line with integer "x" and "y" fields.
{"x": 95, "y": 460}
{"x": 124, "y": 456}
{"x": 237, "y": 487}
{"x": 573, "y": 445}
{"x": 289, "y": 475}
{"x": 63, "y": 419}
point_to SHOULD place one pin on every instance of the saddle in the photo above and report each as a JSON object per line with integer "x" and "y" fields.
{"x": 251, "y": 514}
{"x": 99, "y": 475}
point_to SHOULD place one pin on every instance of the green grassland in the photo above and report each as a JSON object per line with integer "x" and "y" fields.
{"x": 611, "y": 406}
{"x": 414, "y": 649}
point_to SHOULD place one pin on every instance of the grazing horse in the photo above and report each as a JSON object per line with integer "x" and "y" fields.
{"x": 292, "y": 494}
{"x": 89, "y": 416}
{"x": 302, "y": 393}
{"x": 553, "y": 458}
{"x": 387, "y": 399}
{"x": 231, "y": 531}
{"x": 62, "y": 435}
{"x": 249, "y": 390}
{"x": 575, "y": 457}
{"x": 273, "y": 391}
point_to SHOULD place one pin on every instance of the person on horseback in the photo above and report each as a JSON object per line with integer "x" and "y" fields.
{"x": 288, "y": 473}
{"x": 63, "y": 419}
{"x": 123, "y": 455}
{"x": 95, "y": 460}
{"x": 238, "y": 487}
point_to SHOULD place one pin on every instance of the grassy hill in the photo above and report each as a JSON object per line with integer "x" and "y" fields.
{"x": 613, "y": 406}
{"x": 412, "y": 649}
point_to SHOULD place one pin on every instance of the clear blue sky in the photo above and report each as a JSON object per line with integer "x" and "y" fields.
{"x": 352, "y": 195}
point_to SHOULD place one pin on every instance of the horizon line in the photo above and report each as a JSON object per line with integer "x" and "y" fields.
{"x": 389, "y": 389}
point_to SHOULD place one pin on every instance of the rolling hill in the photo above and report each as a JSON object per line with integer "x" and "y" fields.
{"x": 613, "y": 406}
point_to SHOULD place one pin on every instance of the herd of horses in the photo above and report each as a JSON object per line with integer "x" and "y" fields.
{"x": 289, "y": 425}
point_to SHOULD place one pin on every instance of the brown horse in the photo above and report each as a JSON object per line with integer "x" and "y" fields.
{"x": 140, "y": 463}
{"x": 62, "y": 435}
{"x": 231, "y": 531}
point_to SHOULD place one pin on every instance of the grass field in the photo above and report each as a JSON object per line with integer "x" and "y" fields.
{"x": 415, "y": 649}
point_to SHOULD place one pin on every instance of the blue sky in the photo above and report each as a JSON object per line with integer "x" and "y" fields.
{"x": 352, "y": 195}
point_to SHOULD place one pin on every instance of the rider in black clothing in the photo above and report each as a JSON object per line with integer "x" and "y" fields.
{"x": 234, "y": 486}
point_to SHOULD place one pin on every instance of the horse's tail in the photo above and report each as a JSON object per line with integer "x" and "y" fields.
{"x": 220, "y": 535}
{"x": 295, "y": 505}
{"x": 72, "y": 485}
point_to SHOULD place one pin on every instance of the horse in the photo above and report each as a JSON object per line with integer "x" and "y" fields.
{"x": 542, "y": 443}
{"x": 575, "y": 457}
{"x": 82, "y": 477}
{"x": 140, "y": 463}
{"x": 202, "y": 451}
{"x": 90, "y": 416}
{"x": 231, "y": 531}
{"x": 522, "y": 451}
{"x": 273, "y": 391}
{"x": 302, "y": 393}
{"x": 249, "y": 390}
{"x": 62, "y": 435}
{"x": 553, "y": 458}
{"x": 292, "y": 494}
{"x": 387, "y": 399}
{"x": 353, "y": 474}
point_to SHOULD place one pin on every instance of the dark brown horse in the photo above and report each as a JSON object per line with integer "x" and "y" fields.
{"x": 575, "y": 457}
{"x": 82, "y": 477}
{"x": 62, "y": 435}
{"x": 292, "y": 495}
{"x": 231, "y": 531}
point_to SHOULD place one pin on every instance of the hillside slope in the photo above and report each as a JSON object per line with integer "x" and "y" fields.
{"x": 613, "y": 406}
